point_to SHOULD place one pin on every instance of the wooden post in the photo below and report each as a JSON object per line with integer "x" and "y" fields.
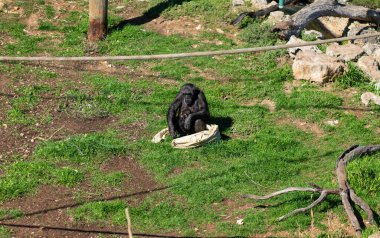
{"x": 98, "y": 20}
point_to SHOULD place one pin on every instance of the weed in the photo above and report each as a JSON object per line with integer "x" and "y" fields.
{"x": 4, "y": 232}
{"x": 368, "y": 3}
{"x": 49, "y": 11}
{"x": 101, "y": 211}
{"x": 81, "y": 149}
{"x": 259, "y": 34}
{"x": 364, "y": 175}
{"x": 353, "y": 78}
{"x": 68, "y": 176}
{"x": 114, "y": 179}
{"x": 10, "y": 213}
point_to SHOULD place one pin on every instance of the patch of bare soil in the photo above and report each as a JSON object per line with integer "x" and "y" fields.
{"x": 271, "y": 105}
{"x": 46, "y": 212}
{"x": 290, "y": 85}
{"x": 135, "y": 130}
{"x": 350, "y": 104}
{"x": 336, "y": 228}
{"x": 208, "y": 74}
{"x": 183, "y": 26}
{"x": 22, "y": 140}
{"x": 305, "y": 126}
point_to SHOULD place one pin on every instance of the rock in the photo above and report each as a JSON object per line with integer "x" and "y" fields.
{"x": 261, "y": 4}
{"x": 332, "y": 122}
{"x": 314, "y": 33}
{"x": 120, "y": 7}
{"x": 240, "y": 222}
{"x": 343, "y": 1}
{"x": 367, "y": 97}
{"x": 334, "y": 25}
{"x": 376, "y": 55}
{"x": 375, "y": 235}
{"x": 220, "y": 31}
{"x": 294, "y": 51}
{"x": 370, "y": 48}
{"x": 357, "y": 28}
{"x": 349, "y": 52}
{"x": 370, "y": 66}
{"x": 317, "y": 67}
{"x": 33, "y": 22}
{"x": 276, "y": 17}
{"x": 236, "y": 3}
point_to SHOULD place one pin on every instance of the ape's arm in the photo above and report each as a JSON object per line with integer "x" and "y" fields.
{"x": 172, "y": 115}
{"x": 203, "y": 112}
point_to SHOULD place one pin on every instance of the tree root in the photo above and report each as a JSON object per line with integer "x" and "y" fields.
{"x": 346, "y": 193}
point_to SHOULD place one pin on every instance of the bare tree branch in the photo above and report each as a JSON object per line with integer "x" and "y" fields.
{"x": 318, "y": 8}
{"x": 304, "y": 209}
{"x": 346, "y": 193}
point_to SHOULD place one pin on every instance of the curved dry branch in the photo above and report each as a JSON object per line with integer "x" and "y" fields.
{"x": 322, "y": 8}
{"x": 288, "y": 190}
{"x": 346, "y": 193}
{"x": 304, "y": 209}
{"x": 363, "y": 205}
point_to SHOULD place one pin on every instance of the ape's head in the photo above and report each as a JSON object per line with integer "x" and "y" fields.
{"x": 189, "y": 93}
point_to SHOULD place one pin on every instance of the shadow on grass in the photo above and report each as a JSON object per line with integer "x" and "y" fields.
{"x": 149, "y": 15}
{"x": 99, "y": 231}
{"x": 224, "y": 123}
{"x": 77, "y": 204}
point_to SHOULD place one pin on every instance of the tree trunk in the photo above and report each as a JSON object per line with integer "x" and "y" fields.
{"x": 322, "y": 8}
{"x": 346, "y": 193}
{"x": 318, "y": 8}
{"x": 98, "y": 20}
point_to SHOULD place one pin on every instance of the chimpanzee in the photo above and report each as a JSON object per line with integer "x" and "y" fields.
{"x": 189, "y": 112}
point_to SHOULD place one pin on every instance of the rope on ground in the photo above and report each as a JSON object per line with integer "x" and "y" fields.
{"x": 186, "y": 55}
{"x": 129, "y": 223}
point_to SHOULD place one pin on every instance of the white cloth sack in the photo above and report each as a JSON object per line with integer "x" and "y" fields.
{"x": 191, "y": 141}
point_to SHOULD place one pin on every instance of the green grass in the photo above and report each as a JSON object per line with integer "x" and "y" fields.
{"x": 367, "y": 3}
{"x": 262, "y": 151}
{"x": 10, "y": 213}
{"x": 353, "y": 78}
{"x": 79, "y": 153}
{"x": 113, "y": 179}
{"x": 4, "y": 232}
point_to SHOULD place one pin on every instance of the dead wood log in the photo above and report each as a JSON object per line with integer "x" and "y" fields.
{"x": 322, "y": 8}
{"x": 318, "y": 8}
{"x": 346, "y": 193}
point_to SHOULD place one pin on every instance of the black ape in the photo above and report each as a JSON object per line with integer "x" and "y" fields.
{"x": 189, "y": 112}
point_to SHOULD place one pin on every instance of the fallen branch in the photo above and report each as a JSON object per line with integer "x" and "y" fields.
{"x": 318, "y": 8}
{"x": 346, "y": 193}
{"x": 51, "y": 136}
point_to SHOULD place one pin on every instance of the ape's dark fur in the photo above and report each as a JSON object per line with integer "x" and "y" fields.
{"x": 189, "y": 112}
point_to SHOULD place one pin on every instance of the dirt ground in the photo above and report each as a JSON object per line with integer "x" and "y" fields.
{"x": 46, "y": 211}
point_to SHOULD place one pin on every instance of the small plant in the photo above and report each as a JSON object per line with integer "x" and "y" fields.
{"x": 259, "y": 34}
{"x": 113, "y": 179}
{"x": 49, "y": 11}
{"x": 309, "y": 37}
{"x": 353, "y": 78}
{"x": 68, "y": 176}
{"x": 364, "y": 175}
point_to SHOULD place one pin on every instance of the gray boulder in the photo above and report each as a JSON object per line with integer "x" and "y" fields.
{"x": 317, "y": 67}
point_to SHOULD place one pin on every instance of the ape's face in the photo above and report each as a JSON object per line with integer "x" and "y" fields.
{"x": 188, "y": 97}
